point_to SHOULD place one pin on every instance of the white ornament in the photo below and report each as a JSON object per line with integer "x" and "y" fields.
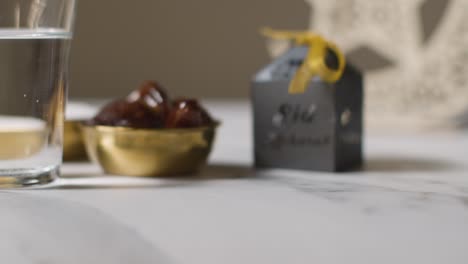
{"x": 425, "y": 78}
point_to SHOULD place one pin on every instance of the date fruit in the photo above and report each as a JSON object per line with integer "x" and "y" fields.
{"x": 123, "y": 113}
{"x": 188, "y": 113}
{"x": 154, "y": 97}
{"x": 149, "y": 107}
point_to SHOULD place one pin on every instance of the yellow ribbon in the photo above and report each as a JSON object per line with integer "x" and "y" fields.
{"x": 314, "y": 64}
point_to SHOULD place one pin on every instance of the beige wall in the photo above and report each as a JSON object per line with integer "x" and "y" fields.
{"x": 205, "y": 48}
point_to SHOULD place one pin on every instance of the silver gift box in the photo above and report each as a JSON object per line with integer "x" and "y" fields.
{"x": 319, "y": 130}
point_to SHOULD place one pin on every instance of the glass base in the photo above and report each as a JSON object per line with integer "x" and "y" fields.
{"x": 19, "y": 178}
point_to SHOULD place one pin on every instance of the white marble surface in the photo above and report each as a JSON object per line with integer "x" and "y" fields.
{"x": 410, "y": 205}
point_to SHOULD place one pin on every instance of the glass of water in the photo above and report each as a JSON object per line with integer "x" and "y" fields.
{"x": 35, "y": 38}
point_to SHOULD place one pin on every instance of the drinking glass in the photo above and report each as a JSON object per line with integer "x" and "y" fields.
{"x": 35, "y": 38}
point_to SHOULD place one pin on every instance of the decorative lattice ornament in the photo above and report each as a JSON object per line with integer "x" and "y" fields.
{"x": 414, "y": 54}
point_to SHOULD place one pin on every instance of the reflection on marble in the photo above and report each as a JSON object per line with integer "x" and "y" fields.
{"x": 402, "y": 164}
{"x": 48, "y": 231}
{"x": 87, "y": 176}
{"x": 371, "y": 193}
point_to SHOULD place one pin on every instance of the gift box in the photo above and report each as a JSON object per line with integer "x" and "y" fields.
{"x": 308, "y": 108}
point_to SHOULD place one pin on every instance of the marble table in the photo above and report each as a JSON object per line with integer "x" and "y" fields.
{"x": 409, "y": 205}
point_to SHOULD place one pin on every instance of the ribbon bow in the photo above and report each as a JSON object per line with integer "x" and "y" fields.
{"x": 314, "y": 64}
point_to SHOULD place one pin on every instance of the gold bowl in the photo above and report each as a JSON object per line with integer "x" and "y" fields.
{"x": 73, "y": 145}
{"x": 149, "y": 152}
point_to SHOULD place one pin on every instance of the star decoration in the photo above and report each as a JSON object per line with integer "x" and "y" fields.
{"x": 425, "y": 74}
